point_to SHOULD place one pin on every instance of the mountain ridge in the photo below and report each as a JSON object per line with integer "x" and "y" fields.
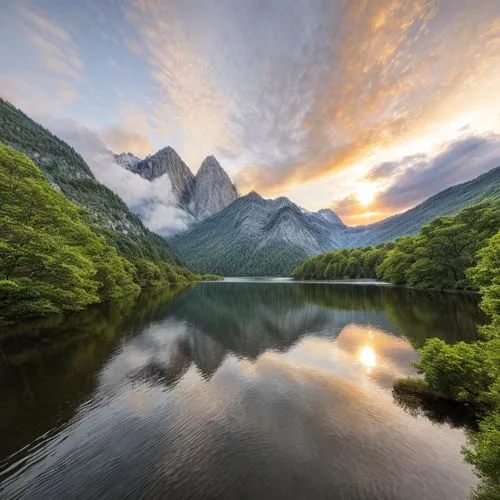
{"x": 256, "y": 236}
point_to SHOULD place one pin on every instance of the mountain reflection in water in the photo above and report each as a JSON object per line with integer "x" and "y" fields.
{"x": 230, "y": 390}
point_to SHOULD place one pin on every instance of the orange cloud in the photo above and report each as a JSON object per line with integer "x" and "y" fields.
{"x": 395, "y": 73}
{"x": 119, "y": 139}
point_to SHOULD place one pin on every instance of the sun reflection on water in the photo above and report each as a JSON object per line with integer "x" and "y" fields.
{"x": 367, "y": 357}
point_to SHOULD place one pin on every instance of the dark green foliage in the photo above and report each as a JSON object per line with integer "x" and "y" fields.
{"x": 66, "y": 169}
{"x": 484, "y": 455}
{"x": 50, "y": 258}
{"x": 438, "y": 257}
{"x": 464, "y": 372}
{"x": 470, "y": 373}
{"x": 343, "y": 264}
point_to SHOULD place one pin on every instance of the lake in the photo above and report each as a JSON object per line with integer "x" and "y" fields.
{"x": 239, "y": 389}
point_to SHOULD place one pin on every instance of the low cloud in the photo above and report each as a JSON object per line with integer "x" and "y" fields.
{"x": 154, "y": 201}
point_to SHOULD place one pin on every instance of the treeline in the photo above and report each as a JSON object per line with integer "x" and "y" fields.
{"x": 349, "y": 263}
{"x": 52, "y": 259}
{"x": 438, "y": 257}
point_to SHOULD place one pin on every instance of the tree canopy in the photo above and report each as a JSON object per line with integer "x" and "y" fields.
{"x": 438, "y": 257}
{"x": 51, "y": 258}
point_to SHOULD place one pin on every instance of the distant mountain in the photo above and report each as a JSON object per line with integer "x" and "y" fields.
{"x": 447, "y": 202}
{"x": 213, "y": 189}
{"x": 253, "y": 236}
{"x": 67, "y": 171}
{"x": 127, "y": 160}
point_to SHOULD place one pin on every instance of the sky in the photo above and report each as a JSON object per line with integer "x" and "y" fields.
{"x": 364, "y": 106}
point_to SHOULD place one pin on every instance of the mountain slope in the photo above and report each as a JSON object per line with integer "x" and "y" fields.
{"x": 447, "y": 202}
{"x": 66, "y": 170}
{"x": 254, "y": 236}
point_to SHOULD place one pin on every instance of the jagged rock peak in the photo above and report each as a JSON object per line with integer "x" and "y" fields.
{"x": 167, "y": 161}
{"x": 253, "y": 195}
{"x": 213, "y": 188}
{"x": 127, "y": 160}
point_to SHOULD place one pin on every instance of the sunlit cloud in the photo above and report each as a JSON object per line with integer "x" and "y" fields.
{"x": 58, "y": 52}
{"x": 310, "y": 99}
{"x": 120, "y": 139}
{"x": 412, "y": 179}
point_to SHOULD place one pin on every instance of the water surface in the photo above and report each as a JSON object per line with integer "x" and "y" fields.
{"x": 231, "y": 390}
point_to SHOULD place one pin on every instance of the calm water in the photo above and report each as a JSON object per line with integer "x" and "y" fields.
{"x": 231, "y": 390}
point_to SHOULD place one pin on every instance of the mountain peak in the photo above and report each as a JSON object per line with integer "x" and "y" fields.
{"x": 213, "y": 188}
{"x": 329, "y": 215}
{"x": 167, "y": 161}
{"x": 211, "y": 162}
{"x": 253, "y": 195}
{"x": 127, "y": 160}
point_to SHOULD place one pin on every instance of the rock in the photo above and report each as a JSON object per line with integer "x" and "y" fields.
{"x": 213, "y": 189}
{"x": 127, "y": 160}
{"x": 167, "y": 161}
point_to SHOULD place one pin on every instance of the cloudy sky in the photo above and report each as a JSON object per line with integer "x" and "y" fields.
{"x": 365, "y": 106}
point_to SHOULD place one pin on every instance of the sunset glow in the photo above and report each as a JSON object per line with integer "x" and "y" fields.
{"x": 345, "y": 105}
{"x": 365, "y": 193}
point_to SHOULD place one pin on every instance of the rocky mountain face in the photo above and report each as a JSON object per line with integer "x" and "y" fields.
{"x": 257, "y": 237}
{"x": 127, "y": 160}
{"x": 213, "y": 189}
{"x": 202, "y": 195}
{"x": 167, "y": 161}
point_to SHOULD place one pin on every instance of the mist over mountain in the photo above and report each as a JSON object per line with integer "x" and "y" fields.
{"x": 198, "y": 196}
{"x": 127, "y": 160}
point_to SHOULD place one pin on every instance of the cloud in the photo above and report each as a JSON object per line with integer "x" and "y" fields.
{"x": 413, "y": 182}
{"x": 153, "y": 201}
{"x": 57, "y": 51}
{"x": 413, "y": 179}
{"x": 45, "y": 24}
{"x": 120, "y": 139}
{"x": 303, "y": 89}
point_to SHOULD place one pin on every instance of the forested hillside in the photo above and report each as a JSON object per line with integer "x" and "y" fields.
{"x": 66, "y": 169}
{"x": 257, "y": 237}
{"x": 51, "y": 258}
{"x": 469, "y": 373}
{"x": 438, "y": 257}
